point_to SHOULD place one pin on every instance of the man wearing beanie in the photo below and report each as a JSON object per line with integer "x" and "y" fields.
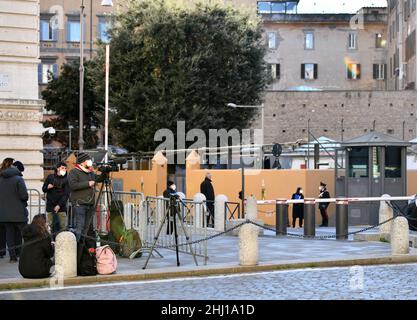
{"x": 82, "y": 181}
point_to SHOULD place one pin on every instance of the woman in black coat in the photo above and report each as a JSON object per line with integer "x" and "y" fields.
{"x": 298, "y": 208}
{"x": 13, "y": 203}
{"x": 35, "y": 260}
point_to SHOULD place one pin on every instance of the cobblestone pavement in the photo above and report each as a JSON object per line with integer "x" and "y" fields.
{"x": 368, "y": 283}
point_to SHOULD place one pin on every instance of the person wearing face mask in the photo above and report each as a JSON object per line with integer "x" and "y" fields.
{"x": 324, "y": 194}
{"x": 82, "y": 181}
{"x": 56, "y": 188}
{"x": 171, "y": 190}
{"x": 298, "y": 208}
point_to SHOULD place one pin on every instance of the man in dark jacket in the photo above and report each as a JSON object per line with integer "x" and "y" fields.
{"x": 13, "y": 202}
{"x": 171, "y": 190}
{"x": 82, "y": 181}
{"x": 207, "y": 189}
{"x": 57, "y": 192}
{"x": 324, "y": 194}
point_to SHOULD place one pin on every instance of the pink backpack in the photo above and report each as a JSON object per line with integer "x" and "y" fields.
{"x": 106, "y": 260}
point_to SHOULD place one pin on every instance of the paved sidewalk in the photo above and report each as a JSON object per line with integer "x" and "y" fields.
{"x": 274, "y": 253}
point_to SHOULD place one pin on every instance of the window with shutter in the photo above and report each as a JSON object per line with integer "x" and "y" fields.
{"x": 309, "y": 71}
{"x": 354, "y": 71}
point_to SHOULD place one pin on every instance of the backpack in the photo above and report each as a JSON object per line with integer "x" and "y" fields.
{"x": 106, "y": 260}
{"x": 86, "y": 258}
{"x": 130, "y": 243}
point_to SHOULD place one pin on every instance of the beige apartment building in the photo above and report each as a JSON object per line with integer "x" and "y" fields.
{"x": 327, "y": 51}
{"x": 402, "y": 19}
{"x": 59, "y": 32}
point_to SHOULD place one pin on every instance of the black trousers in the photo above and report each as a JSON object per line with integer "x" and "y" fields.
{"x": 14, "y": 237}
{"x": 210, "y": 209}
{"x": 2, "y": 240}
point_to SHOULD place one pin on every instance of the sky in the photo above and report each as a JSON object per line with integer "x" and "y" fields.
{"x": 337, "y": 6}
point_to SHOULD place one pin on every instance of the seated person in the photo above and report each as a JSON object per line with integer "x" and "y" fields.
{"x": 35, "y": 259}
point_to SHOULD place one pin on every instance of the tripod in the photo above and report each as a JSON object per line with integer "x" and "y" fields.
{"x": 171, "y": 215}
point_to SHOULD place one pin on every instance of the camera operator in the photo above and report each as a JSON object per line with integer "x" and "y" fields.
{"x": 82, "y": 181}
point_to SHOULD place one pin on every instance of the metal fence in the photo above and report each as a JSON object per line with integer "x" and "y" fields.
{"x": 190, "y": 222}
{"x": 129, "y": 204}
{"x": 35, "y": 204}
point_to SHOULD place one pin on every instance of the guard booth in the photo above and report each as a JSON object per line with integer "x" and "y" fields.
{"x": 370, "y": 166}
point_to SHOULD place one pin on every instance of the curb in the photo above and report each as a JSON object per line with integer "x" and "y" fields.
{"x": 211, "y": 271}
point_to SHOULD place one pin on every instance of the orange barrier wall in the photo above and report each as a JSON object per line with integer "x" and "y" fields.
{"x": 278, "y": 184}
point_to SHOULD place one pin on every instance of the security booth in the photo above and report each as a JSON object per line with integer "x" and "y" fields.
{"x": 370, "y": 166}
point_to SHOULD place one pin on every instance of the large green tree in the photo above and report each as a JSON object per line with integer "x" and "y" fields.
{"x": 171, "y": 64}
{"x": 62, "y": 97}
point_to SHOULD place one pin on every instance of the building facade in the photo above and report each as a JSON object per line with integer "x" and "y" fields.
{"x": 59, "y": 33}
{"x": 402, "y": 19}
{"x": 20, "y": 108}
{"x": 327, "y": 51}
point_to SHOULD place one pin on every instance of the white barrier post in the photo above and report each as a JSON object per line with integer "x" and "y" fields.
{"x": 66, "y": 254}
{"x": 385, "y": 213}
{"x": 400, "y": 236}
{"x": 143, "y": 220}
{"x": 219, "y": 216}
{"x": 248, "y": 236}
{"x": 199, "y": 215}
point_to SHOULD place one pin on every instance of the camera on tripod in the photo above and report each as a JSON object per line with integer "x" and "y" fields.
{"x": 107, "y": 167}
{"x": 111, "y": 166}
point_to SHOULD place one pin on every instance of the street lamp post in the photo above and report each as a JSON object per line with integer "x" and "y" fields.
{"x": 104, "y": 3}
{"x": 262, "y": 107}
{"x": 81, "y": 122}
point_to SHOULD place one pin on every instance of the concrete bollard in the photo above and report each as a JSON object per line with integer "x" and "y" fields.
{"x": 385, "y": 213}
{"x": 248, "y": 236}
{"x": 400, "y": 236}
{"x": 251, "y": 208}
{"x": 219, "y": 212}
{"x": 199, "y": 215}
{"x": 66, "y": 254}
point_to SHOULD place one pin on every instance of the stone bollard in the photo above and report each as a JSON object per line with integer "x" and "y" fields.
{"x": 66, "y": 254}
{"x": 219, "y": 212}
{"x": 199, "y": 215}
{"x": 400, "y": 236}
{"x": 248, "y": 236}
{"x": 385, "y": 213}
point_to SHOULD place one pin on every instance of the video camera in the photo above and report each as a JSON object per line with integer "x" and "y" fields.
{"x": 111, "y": 166}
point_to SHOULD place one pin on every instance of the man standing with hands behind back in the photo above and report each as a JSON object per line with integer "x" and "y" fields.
{"x": 82, "y": 181}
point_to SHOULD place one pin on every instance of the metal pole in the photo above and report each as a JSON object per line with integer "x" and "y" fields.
{"x": 106, "y": 116}
{"x": 281, "y": 219}
{"x": 309, "y": 217}
{"x": 342, "y": 219}
{"x": 243, "y": 190}
{"x": 69, "y": 146}
{"x": 81, "y": 122}
{"x": 308, "y": 144}
{"x": 403, "y": 130}
{"x": 343, "y": 129}
{"x": 263, "y": 123}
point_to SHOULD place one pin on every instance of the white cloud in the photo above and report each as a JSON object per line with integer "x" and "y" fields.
{"x": 337, "y": 6}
